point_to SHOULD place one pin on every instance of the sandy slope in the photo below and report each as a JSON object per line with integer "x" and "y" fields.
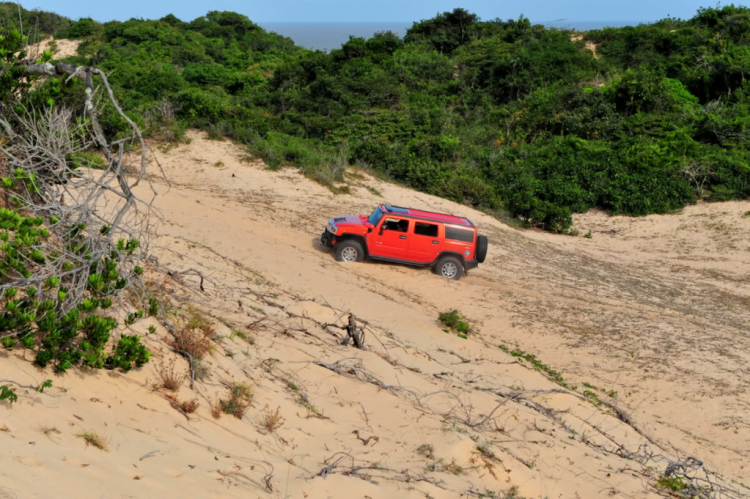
{"x": 65, "y": 48}
{"x": 654, "y": 309}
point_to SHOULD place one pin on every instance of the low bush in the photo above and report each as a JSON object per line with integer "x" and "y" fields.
{"x": 239, "y": 400}
{"x": 195, "y": 335}
{"x": 454, "y": 321}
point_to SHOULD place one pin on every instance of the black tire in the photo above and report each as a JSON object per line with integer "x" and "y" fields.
{"x": 482, "y": 244}
{"x": 349, "y": 251}
{"x": 450, "y": 267}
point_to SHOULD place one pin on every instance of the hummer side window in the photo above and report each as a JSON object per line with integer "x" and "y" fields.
{"x": 395, "y": 225}
{"x": 423, "y": 229}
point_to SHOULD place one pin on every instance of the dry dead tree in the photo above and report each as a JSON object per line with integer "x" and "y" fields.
{"x": 76, "y": 193}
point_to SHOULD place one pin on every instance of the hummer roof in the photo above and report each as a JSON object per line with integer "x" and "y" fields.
{"x": 427, "y": 215}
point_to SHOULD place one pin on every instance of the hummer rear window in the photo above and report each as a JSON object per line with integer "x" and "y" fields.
{"x": 466, "y": 236}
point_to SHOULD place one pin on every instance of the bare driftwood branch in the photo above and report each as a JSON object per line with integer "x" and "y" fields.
{"x": 353, "y": 332}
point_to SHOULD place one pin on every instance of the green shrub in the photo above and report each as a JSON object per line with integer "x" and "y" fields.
{"x": 129, "y": 351}
{"x": 8, "y": 394}
{"x": 456, "y": 322}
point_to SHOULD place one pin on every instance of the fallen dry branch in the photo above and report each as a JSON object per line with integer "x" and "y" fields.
{"x": 344, "y": 463}
{"x": 353, "y": 332}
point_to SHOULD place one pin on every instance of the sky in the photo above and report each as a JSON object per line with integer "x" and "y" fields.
{"x": 265, "y": 11}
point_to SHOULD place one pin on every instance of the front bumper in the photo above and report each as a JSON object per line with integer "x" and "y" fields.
{"x": 327, "y": 239}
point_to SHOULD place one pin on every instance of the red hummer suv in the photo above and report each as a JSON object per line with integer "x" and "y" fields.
{"x": 447, "y": 243}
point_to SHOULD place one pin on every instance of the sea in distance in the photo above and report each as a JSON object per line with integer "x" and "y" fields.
{"x": 327, "y": 36}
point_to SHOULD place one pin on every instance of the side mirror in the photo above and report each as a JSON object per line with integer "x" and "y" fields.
{"x": 382, "y": 227}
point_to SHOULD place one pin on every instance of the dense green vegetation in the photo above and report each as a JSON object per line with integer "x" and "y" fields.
{"x": 503, "y": 115}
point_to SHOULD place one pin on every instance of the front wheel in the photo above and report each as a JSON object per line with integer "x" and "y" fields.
{"x": 349, "y": 251}
{"x": 450, "y": 267}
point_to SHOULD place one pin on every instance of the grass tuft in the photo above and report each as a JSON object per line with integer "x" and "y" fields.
{"x": 170, "y": 379}
{"x": 272, "y": 420}
{"x": 94, "y": 440}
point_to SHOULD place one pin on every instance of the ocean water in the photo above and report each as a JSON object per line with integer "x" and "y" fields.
{"x": 327, "y": 36}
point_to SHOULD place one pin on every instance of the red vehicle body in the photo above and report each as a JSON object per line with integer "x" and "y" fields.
{"x": 447, "y": 243}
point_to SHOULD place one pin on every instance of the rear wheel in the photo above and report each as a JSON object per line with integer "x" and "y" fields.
{"x": 450, "y": 267}
{"x": 349, "y": 251}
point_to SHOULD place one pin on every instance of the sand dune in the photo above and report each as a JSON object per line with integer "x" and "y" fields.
{"x": 64, "y": 48}
{"x": 649, "y": 314}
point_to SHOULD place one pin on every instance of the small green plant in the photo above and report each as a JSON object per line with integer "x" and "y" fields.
{"x": 240, "y": 398}
{"x": 426, "y": 450}
{"x": 8, "y": 394}
{"x": 452, "y": 468}
{"x": 589, "y": 235}
{"x": 236, "y": 333}
{"x": 537, "y": 365}
{"x": 201, "y": 370}
{"x": 574, "y": 232}
{"x": 151, "y": 329}
{"x": 153, "y": 307}
{"x": 46, "y": 384}
{"x": 593, "y": 397}
{"x": 86, "y": 160}
{"x": 672, "y": 483}
{"x": 747, "y": 214}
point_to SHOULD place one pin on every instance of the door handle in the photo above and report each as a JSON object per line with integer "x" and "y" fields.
{"x": 435, "y": 242}
{"x": 402, "y": 237}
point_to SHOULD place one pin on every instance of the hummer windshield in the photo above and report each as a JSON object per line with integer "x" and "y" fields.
{"x": 376, "y": 216}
